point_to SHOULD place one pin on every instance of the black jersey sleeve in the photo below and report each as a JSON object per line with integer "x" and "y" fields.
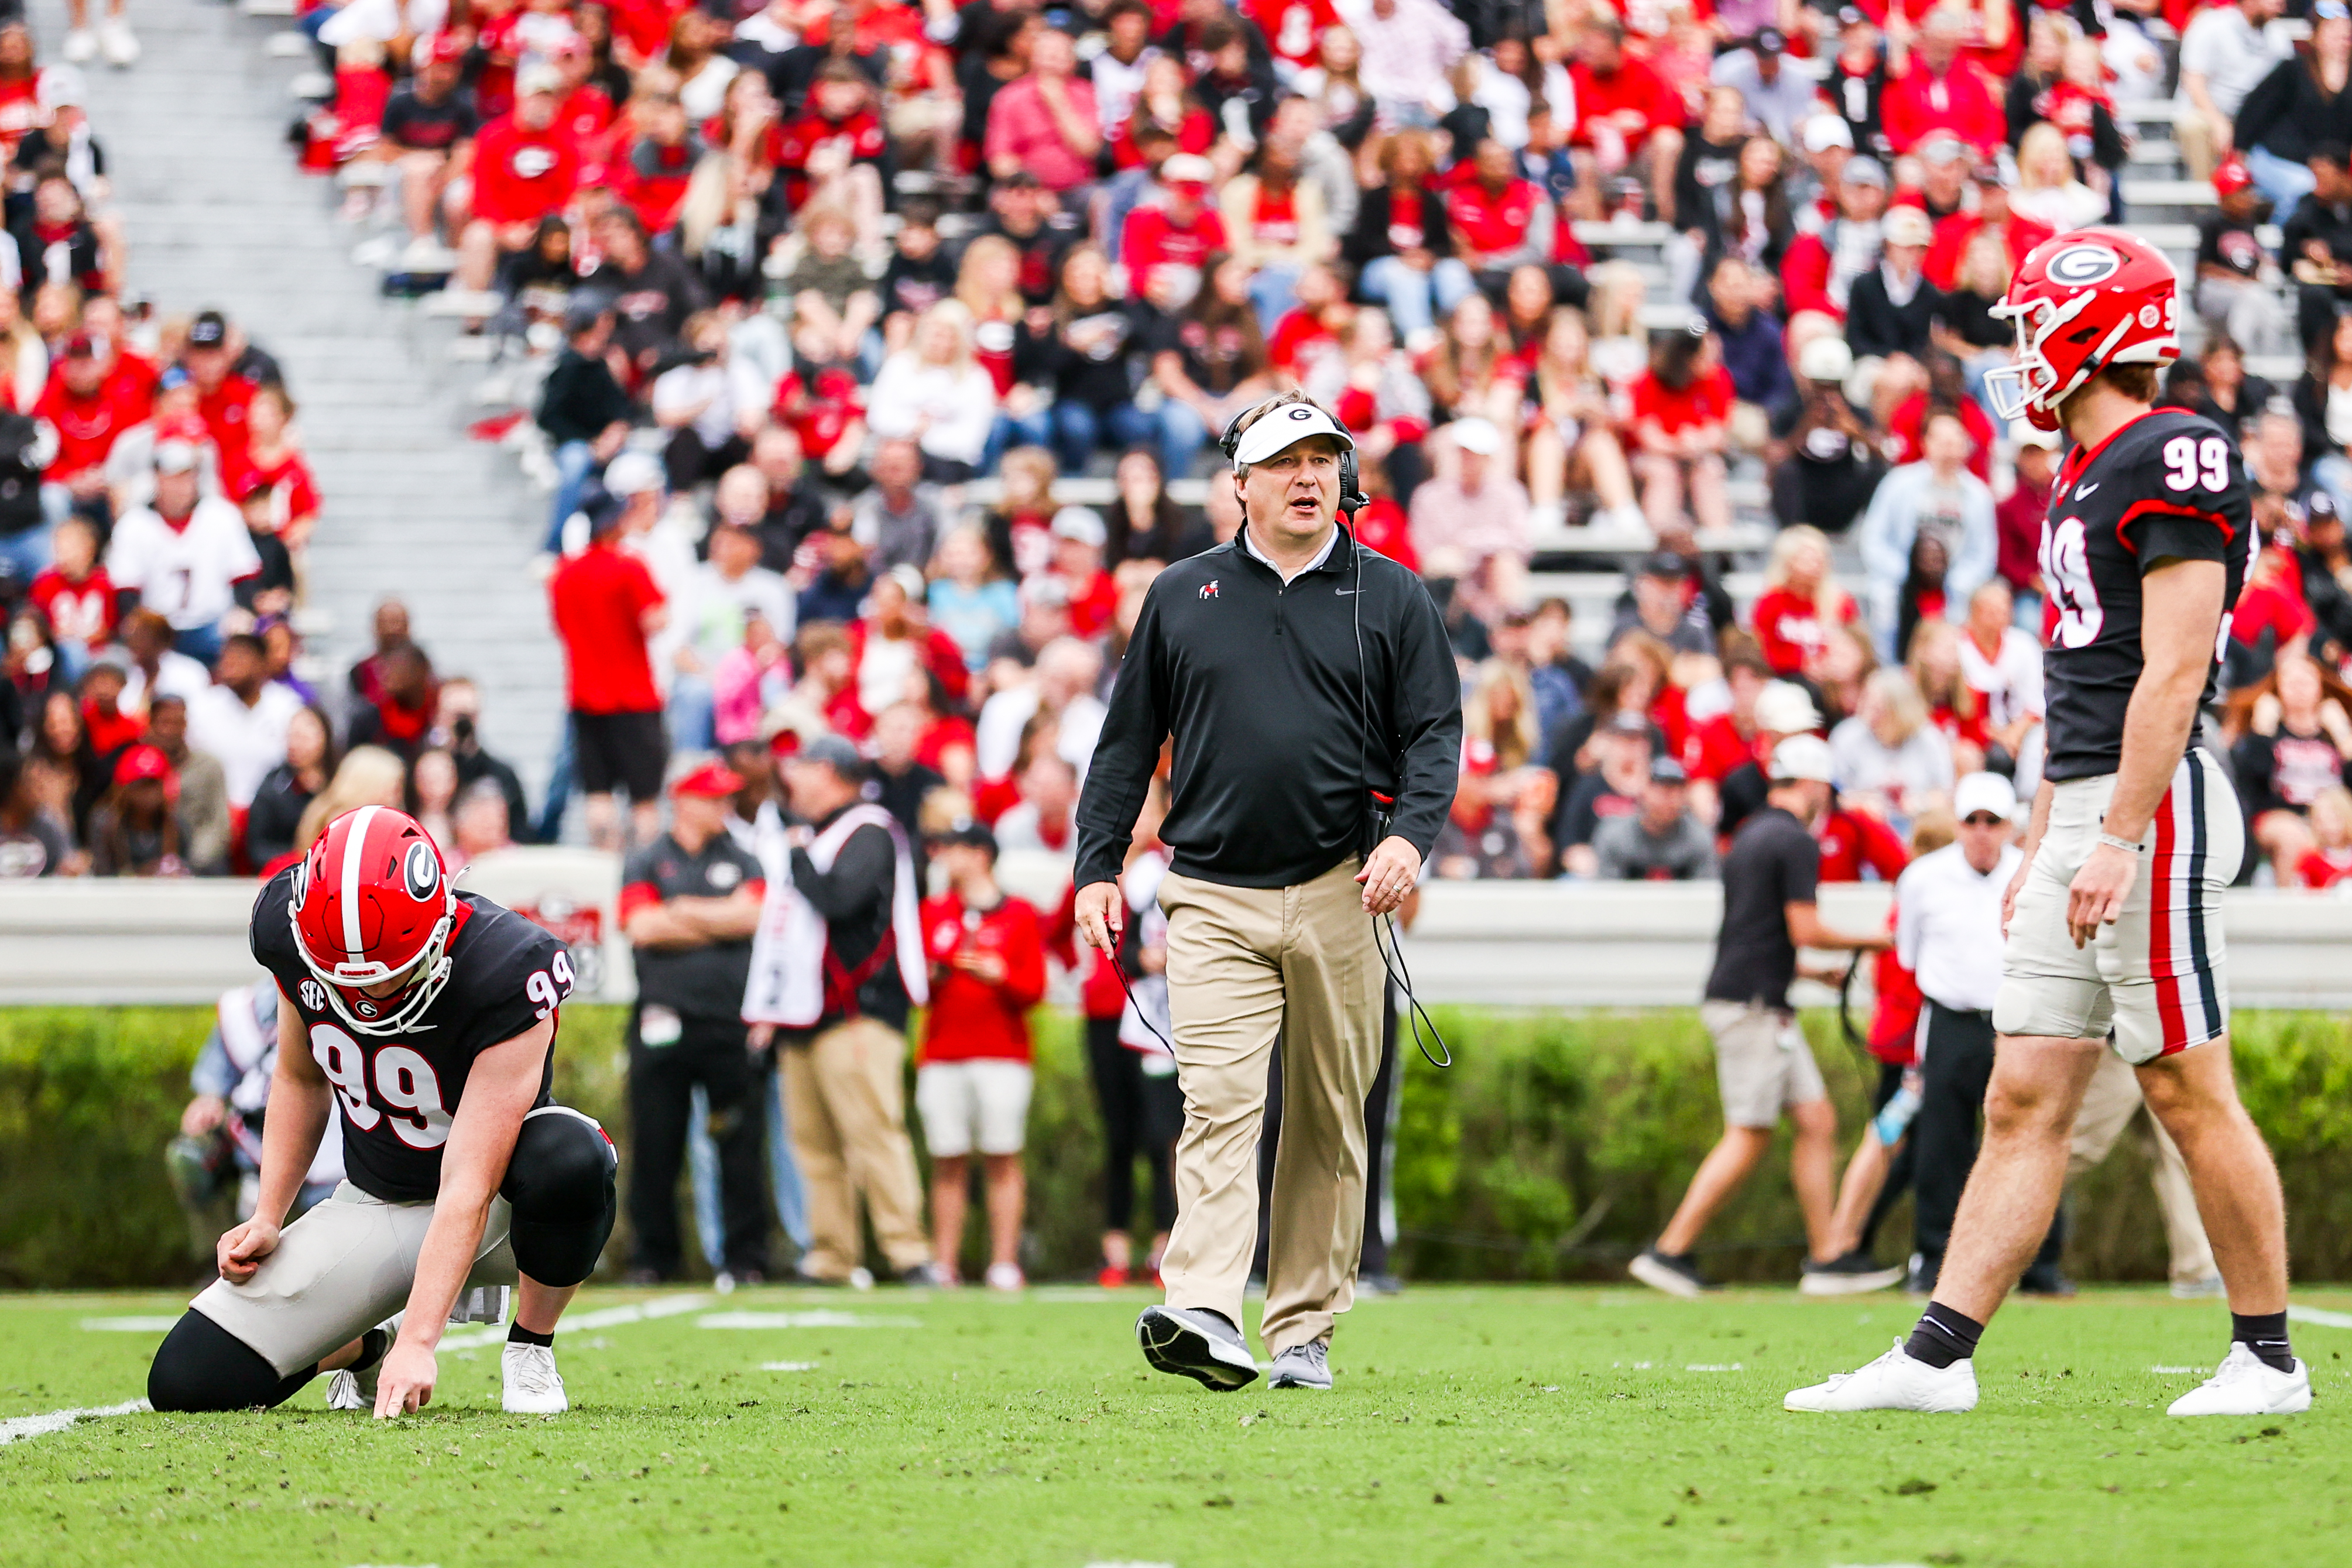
{"x": 2185, "y": 496}
{"x": 513, "y": 974}
{"x": 271, "y": 935}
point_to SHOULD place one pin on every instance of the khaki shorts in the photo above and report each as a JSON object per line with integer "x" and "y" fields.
{"x": 2155, "y": 976}
{"x": 339, "y": 1271}
{"x": 981, "y": 1103}
{"x": 1762, "y": 1063}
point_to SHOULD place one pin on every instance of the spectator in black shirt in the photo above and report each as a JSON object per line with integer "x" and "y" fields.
{"x": 1027, "y": 215}
{"x": 920, "y": 273}
{"x": 583, "y": 410}
{"x": 428, "y": 134}
{"x": 1612, "y": 789}
{"x": 1763, "y": 1064}
{"x": 2304, "y": 100}
{"x": 689, "y": 903}
{"x": 1085, "y": 359}
{"x": 795, "y": 507}
{"x": 2315, "y": 244}
{"x": 458, "y": 729}
{"x": 1891, "y": 309}
{"x": 288, "y": 789}
{"x": 651, "y": 292}
{"x": 2232, "y": 292}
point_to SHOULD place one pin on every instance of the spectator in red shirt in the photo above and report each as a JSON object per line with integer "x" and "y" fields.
{"x": 606, "y": 606}
{"x": 2329, "y": 859}
{"x": 1682, "y": 412}
{"x": 1820, "y": 267}
{"x": 1801, "y": 601}
{"x": 2019, "y": 232}
{"x": 1627, "y": 120}
{"x": 1500, "y": 222}
{"x": 973, "y": 1079}
{"x": 526, "y": 167}
{"x": 651, "y": 175}
{"x": 1183, "y": 232}
{"x": 1942, "y": 91}
{"x": 75, "y": 596}
{"x": 1046, "y": 121}
{"x": 221, "y": 394}
{"x": 2018, "y": 521}
{"x": 87, "y": 408}
{"x": 1078, "y": 538}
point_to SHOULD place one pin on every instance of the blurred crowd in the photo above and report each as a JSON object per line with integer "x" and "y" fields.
{"x": 874, "y": 354}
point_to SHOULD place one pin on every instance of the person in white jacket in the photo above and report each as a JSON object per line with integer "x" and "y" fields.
{"x": 936, "y": 392}
{"x": 1938, "y": 496}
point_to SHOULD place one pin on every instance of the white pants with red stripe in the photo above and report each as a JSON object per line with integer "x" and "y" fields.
{"x": 2155, "y": 978}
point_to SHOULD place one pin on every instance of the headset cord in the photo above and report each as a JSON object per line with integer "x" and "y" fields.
{"x": 1417, "y": 1015}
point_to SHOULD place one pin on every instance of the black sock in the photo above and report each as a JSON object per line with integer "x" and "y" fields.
{"x": 373, "y": 1344}
{"x": 1943, "y": 1336}
{"x": 2264, "y": 1334}
{"x": 518, "y": 1334}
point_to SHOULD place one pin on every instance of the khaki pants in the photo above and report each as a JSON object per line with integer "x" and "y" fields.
{"x": 2110, "y": 1105}
{"x": 846, "y": 1094}
{"x": 1246, "y": 967}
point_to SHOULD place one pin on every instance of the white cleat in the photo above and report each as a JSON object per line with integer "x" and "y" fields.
{"x": 81, "y": 47}
{"x": 1892, "y": 1382}
{"x": 346, "y": 1392}
{"x": 118, "y": 43}
{"x": 533, "y": 1386}
{"x": 2246, "y": 1384}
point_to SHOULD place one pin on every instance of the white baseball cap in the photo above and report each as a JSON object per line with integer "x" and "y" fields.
{"x": 1479, "y": 436}
{"x": 1083, "y": 524}
{"x": 632, "y": 473}
{"x": 1984, "y": 792}
{"x": 1784, "y": 708}
{"x": 1826, "y": 131}
{"x": 1825, "y": 360}
{"x": 1801, "y": 756}
{"x": 1283, "y": 427}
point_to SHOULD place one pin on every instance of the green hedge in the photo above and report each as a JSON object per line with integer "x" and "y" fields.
{"x": 1554, "y": 1147}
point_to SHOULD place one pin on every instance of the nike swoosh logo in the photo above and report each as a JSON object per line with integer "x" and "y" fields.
{"x": 2083, "y": 490}
{"x": 1343, "y": 592}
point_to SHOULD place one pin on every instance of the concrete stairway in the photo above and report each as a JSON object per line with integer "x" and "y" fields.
{"x": 217, "y": 215}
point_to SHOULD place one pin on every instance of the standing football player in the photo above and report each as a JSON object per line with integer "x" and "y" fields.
{"x": 2113, "y": 920}
{"x": 427, "y": 1018}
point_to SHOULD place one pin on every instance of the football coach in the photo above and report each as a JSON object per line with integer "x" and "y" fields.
{"x": 1316, "y": 718}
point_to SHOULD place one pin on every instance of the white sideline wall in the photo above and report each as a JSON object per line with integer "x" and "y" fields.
{"x": 1559, "y": 944}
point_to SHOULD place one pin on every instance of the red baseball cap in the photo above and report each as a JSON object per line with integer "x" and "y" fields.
{"x": 2232, "y": 177}
{"x": 713, "y": 781}
{"x": 142, "y": 761}
{"x": 445, "y": 50}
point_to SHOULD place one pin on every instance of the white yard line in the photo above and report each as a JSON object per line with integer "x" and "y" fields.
{"x": 2321, "y": 1316}
{"x": 130, "y": 1325}
{"x": 605, "y": 1318}
{"x": 817, "y": 1320}
{"x": 17, "y": 1427}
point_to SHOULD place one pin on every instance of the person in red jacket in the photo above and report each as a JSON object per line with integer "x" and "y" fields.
{"x": 1942, "y": 91}
{"x": 1183, "y": 232}
{"x": 87, "y": 407}
{"x": 526, "y": 167}
{"x": 1822, "y": 266}
{"x": 1627, "y": 120}
{"x": 987, "y": 951}
{"x": 2019, "y": 232}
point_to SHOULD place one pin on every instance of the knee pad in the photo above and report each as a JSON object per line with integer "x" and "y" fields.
{"x": 560, "y": 1184}
{"x": 203, "y": 1366}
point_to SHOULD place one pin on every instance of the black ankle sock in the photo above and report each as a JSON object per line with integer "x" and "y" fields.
{"x": 518, "y": 1334}
{"x": 2264, "y": 1334}
{"x": 373, "y": 1344}
{"x": 1943, "y": 1336}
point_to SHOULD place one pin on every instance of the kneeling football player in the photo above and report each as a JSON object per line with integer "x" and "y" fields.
{"x": 429, "y": 1017}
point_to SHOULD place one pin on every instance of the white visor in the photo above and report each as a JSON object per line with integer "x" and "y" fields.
{"x": 1282, "y": 428}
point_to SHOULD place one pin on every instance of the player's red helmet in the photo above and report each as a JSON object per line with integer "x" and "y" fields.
{"x": 2081, "y": 302}
{"x": 371, "y": 903}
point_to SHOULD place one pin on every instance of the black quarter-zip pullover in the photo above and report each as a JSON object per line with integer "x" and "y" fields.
{"x": 1280, "y": 731}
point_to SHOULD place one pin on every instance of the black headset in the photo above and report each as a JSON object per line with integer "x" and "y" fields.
{"x": 1351, "y": 499}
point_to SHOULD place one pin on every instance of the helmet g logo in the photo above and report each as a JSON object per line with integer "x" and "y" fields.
{"x": 422, "y": 872}
{"x": 2079, "y": 265}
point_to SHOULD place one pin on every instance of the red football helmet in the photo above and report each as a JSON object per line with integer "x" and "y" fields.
{"x": 2081, "y": 302}
{"x": 372, "y": 903}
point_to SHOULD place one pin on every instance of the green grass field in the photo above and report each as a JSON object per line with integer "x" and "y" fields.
{"x": 1470, "y": 1426}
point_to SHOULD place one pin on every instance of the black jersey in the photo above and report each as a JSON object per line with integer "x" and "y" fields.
{"x": 2169, "y": 484}
{"x": 397, "y": 1093}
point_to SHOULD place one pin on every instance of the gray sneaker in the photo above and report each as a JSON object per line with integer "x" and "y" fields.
{"x": 1305, "y": 1366}
{"x": 1195, "y": 1343}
